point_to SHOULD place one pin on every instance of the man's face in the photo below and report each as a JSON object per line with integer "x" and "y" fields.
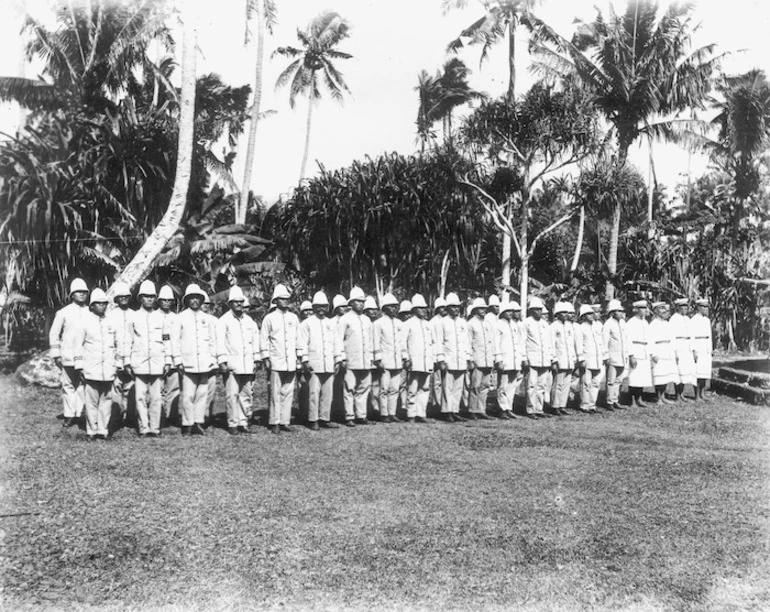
{"x": 562, "y": 316}
{"x": 479, "y": 312}
{"x": 319, "y": 310}
{"x": 453, "y": 310}
{"x": 371, "y": 313}
{"x": 494, "y": 309}
{"x": 122, "y": 301}
{"x": 147, "y": 301}
{"x": 682, "y": 309}
{"x": 440, "y": 311}
{"x": 419, "y": 312}
{"x": 506, "y": 315}
{"x": 357, "y": 306}
{"x": 536, "y": 313}
{"x": 282, "y": 303}
{"x": 306, "y": 313}
{"x": 194, "y": 302}
{"x": 617, "y": 315}
{"x": 703, "y": 310}
{"x": 79, "y": 297}
{"x": 589, "y": 317}
{"x": 390, "y": 310}
{"x": 404, "y": 316}
{"x": 99, "y": 308}
{"x": 237, "y": 307}
{"x": 166, "y": 305}
{"x": 641, "y": 312}
{"x": 340, "y": 310}
{"x": 516, "y": 315}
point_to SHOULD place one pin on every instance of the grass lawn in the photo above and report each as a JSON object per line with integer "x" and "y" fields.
{"x": 652, "y": 509}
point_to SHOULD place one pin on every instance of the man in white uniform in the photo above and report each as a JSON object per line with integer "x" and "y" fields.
{"x": 591, "y": 359}
{"x": 239, "y": 359}
{"x": 662, "y": 351}
{"x": 640, "y": 347}
{"x": 148, "y": 360}
{"x": 453, "y": 357}
{"x": 419, "y": 359}
{"x": 315, "y": 348}
{"x": 278, "y": 343}
{"x": 564, "y": 358}
{"x": 437, "y": 382}
{"x": 683, "y": 349}
{"x": 509, "y": 357}
{"x": 96, "y": 356}
{"x": 481, "y": 336}
{"x": 61, "y": 339}
{"x": 371, "y": 311}
{"x": 121, "y": 319}
{"x": 355, "y": 353}
{"x": 616, "y": 347}
{"x": 702, "y": 344}
{"x": 539, "y": 357}
{"x": 388, "y": 358}
{"x": 171, "y": 383}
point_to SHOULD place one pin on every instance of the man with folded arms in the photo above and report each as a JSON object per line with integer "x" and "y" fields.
{"x": 453, "y": 356}
{"x": 239, "y": 359}
{"x": 388, "y": 358}
{"x": 62, "y": 342}
{"x": 616, "y": 347}
{"x": 315, "y": 349}
{"x": 509, "y": 356}
{"x": 419, "y": 359}
{"x": 96, "y": 357}
{"x": 148, "y": 360}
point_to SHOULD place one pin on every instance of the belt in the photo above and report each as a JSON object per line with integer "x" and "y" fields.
{"x": 638, "y": 342}
{"x": 662, "y": 341}
{"x": 700, "y": 338}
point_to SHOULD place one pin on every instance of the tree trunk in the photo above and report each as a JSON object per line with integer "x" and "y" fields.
{"x": 511, "y": 95}
{"x": 524, "y": 245}
{"x": 140, "y": 265}
{"x": 506, "y": 254}
{"x": 579, "y": 245}
{"x": 307, "y": 139}
{"x": 612, "y": 258}
{"x": 243, "y": 205}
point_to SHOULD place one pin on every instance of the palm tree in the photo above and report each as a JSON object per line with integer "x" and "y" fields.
{"x": 642, "y": 72}
{"x": 313, "y": 65}
{"x": 501, "y": 16}
{"x": 440, "y": 95}
{"x": 264, "y": 13}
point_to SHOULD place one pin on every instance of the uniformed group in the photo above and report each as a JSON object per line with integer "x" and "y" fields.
{"x": 364, "y": 357}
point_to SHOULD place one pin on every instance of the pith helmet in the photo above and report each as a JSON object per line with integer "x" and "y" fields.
{"x": 320, "y": 299}
{"x": 78, "y": 284}
{"x": 121, "y": 289}
{"x": 98, "y": 297}
{"x": 147, "y": 288}
{"x": 418, "y": 301}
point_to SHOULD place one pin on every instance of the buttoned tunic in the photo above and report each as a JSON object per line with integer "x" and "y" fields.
{"x": 640, "y": 348}
{"x": 417, "y": 343}
{"x": 278, "y": 340}
{"x": 662, "y": 347}
{"x": 509, "y": 344}
{"x": 238, "y": 342}
{"x": 702, "y": 344}
{"x": 61, "y": 338}
{"x": 538, "y": 343}
{"x": 121, "y": 321}
{"x": 96, "y": 350}
{"x": 437, "y": 330}
{"x": 354, "y": 341}
{"x": 481, "y": 337}
{"x": 616, "y": 344}
{"x": 315, "y": 343}
{"x": 387, "y": 337}
{"x": 147, "y": 351}
{"x": 590, "y": 345}
{"x": 454, "y": 349}
{"x": 685, "y": 360}
{"x": 193, "y": 341}
{"x": 564, "y": 352}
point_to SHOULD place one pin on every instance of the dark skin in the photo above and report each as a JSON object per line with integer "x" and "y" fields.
{"x": 166, "y": 305}
{"x": 441, "y": 311}
{"x": 122, "y": 301}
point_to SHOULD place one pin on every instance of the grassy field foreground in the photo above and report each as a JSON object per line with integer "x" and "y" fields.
{"x": 654, "y": 509}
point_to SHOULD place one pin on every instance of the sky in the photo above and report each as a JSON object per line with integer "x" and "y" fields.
{"x": 391, "y": 42}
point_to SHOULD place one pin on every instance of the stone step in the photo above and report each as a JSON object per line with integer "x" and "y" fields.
{"x": 752, "y": 379}
{"x": 752, "y": 395}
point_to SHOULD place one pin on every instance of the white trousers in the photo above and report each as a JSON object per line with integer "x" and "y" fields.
{"x": 239, "y": 389}
{"x": 149, "y": 402}
{"x": 72, "y": 393}
{"x": 419, "y": 392}
{"x": 98, "y": 408}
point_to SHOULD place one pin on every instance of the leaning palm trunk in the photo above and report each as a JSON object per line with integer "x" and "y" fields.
{"x": 140, "y": 265}
{"x": 307, "y": 139}
{"x": 579, "y": 245}
{"x": 243, "y": 204}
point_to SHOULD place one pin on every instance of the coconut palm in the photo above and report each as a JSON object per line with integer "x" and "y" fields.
{"x": 313, "y": 66}
{"x": 642, "y": 71}
{"x": 264, "y": 13}
{"x": 501, "y": 17}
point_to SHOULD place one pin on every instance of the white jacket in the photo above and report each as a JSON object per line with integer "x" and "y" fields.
{"x": 700, "y": 328}
{"x": 539, "y": 345}
{"x": 121, "y": 320}
{"x": 616, "y": 343}
{"x": 354, "y": 341}
{"x": 61, "y": 338}
{"x": 96, "y": 348}
{"x": 590, "y": 345}
{"x": 147, "y": 351}
{"x": 417, "y": 342}
{"x": 454, "y": 350}
{"x": 481, "y": 338}
{"x": 193, "y": 341}
{"x": 238, "y": 342}
{"x": 682, "y": 339}
{"x": 278, "y": 340}
{"x": 509, "y": 344}
{"x": 315, "y": 343}
{"x": 564, "y": 344}
{"x": 386, "y": 334}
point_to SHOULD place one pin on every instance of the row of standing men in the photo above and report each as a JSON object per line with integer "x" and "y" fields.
{"x": 364, "y": 355}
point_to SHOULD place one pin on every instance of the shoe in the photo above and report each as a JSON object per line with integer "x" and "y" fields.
{"x": 617, "y": 406}
{"x": 153, "y": 434}
{"x": 563, "y": 412}
{"x": 91, "y": 438}
{"x": 420, "y": 420}
{"x": 101, "y": 437}
{"x": 185, "y": 430}
{"x": 512, "y": 415}
{"x": 142, "y": 435}
{"x": 328, "y": 425}
{"x": 609, "y": 407}
{"x": 544, "y": 415}
{"x": 471, "y": 417}
{"x": 364, "y": 422}
{"x": 393, "y": 419}
{"x": 67, "y": 422}
{"x": 458, "y": 417}
{"x": 197, "y": 430}
{"x": 276, "y": 429}
{"x": 530, "y": 415}
{"x": 233, "y": 431}
{"x": 592, "y": 410}
{"x": 410, "y": 420}
{"x": 245, "y": 429}
{"x": 350, "y": 423}
{"x": 448, "y": 418}
{"x": 286, "y": 428}
{"x": 482, "y": 416}
{"x": 314, "y": 426}
{"x": 503, "y": 415}
{"x": 640, "y": 404}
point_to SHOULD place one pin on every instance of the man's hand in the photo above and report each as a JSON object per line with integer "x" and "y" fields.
{"x": 266, "y": 363}
{"x": 129, "y": 370}
{"x": 407, "y": 364}
{"x": 307, "y": 368}
{"x": 695, "y": 356}
{"x": 499, "y": 366}
{"x": 166, "y": 370}
{"x": 654, "y": 359}
{"x": 57, "y": 361}
{"x": 180, "y": 367}
{"x": 223, "y": 369}
{"x": 554, "y": 366}
{"x": 525, "y": 366}
{"x": 442, "y": 366}
{"x": 81, "y": 377}
{"x": 632, "y": 361}
{"x": 378, "y": 365}
{"x": 471, "y": 365}
{"x": 337, "y": 368}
